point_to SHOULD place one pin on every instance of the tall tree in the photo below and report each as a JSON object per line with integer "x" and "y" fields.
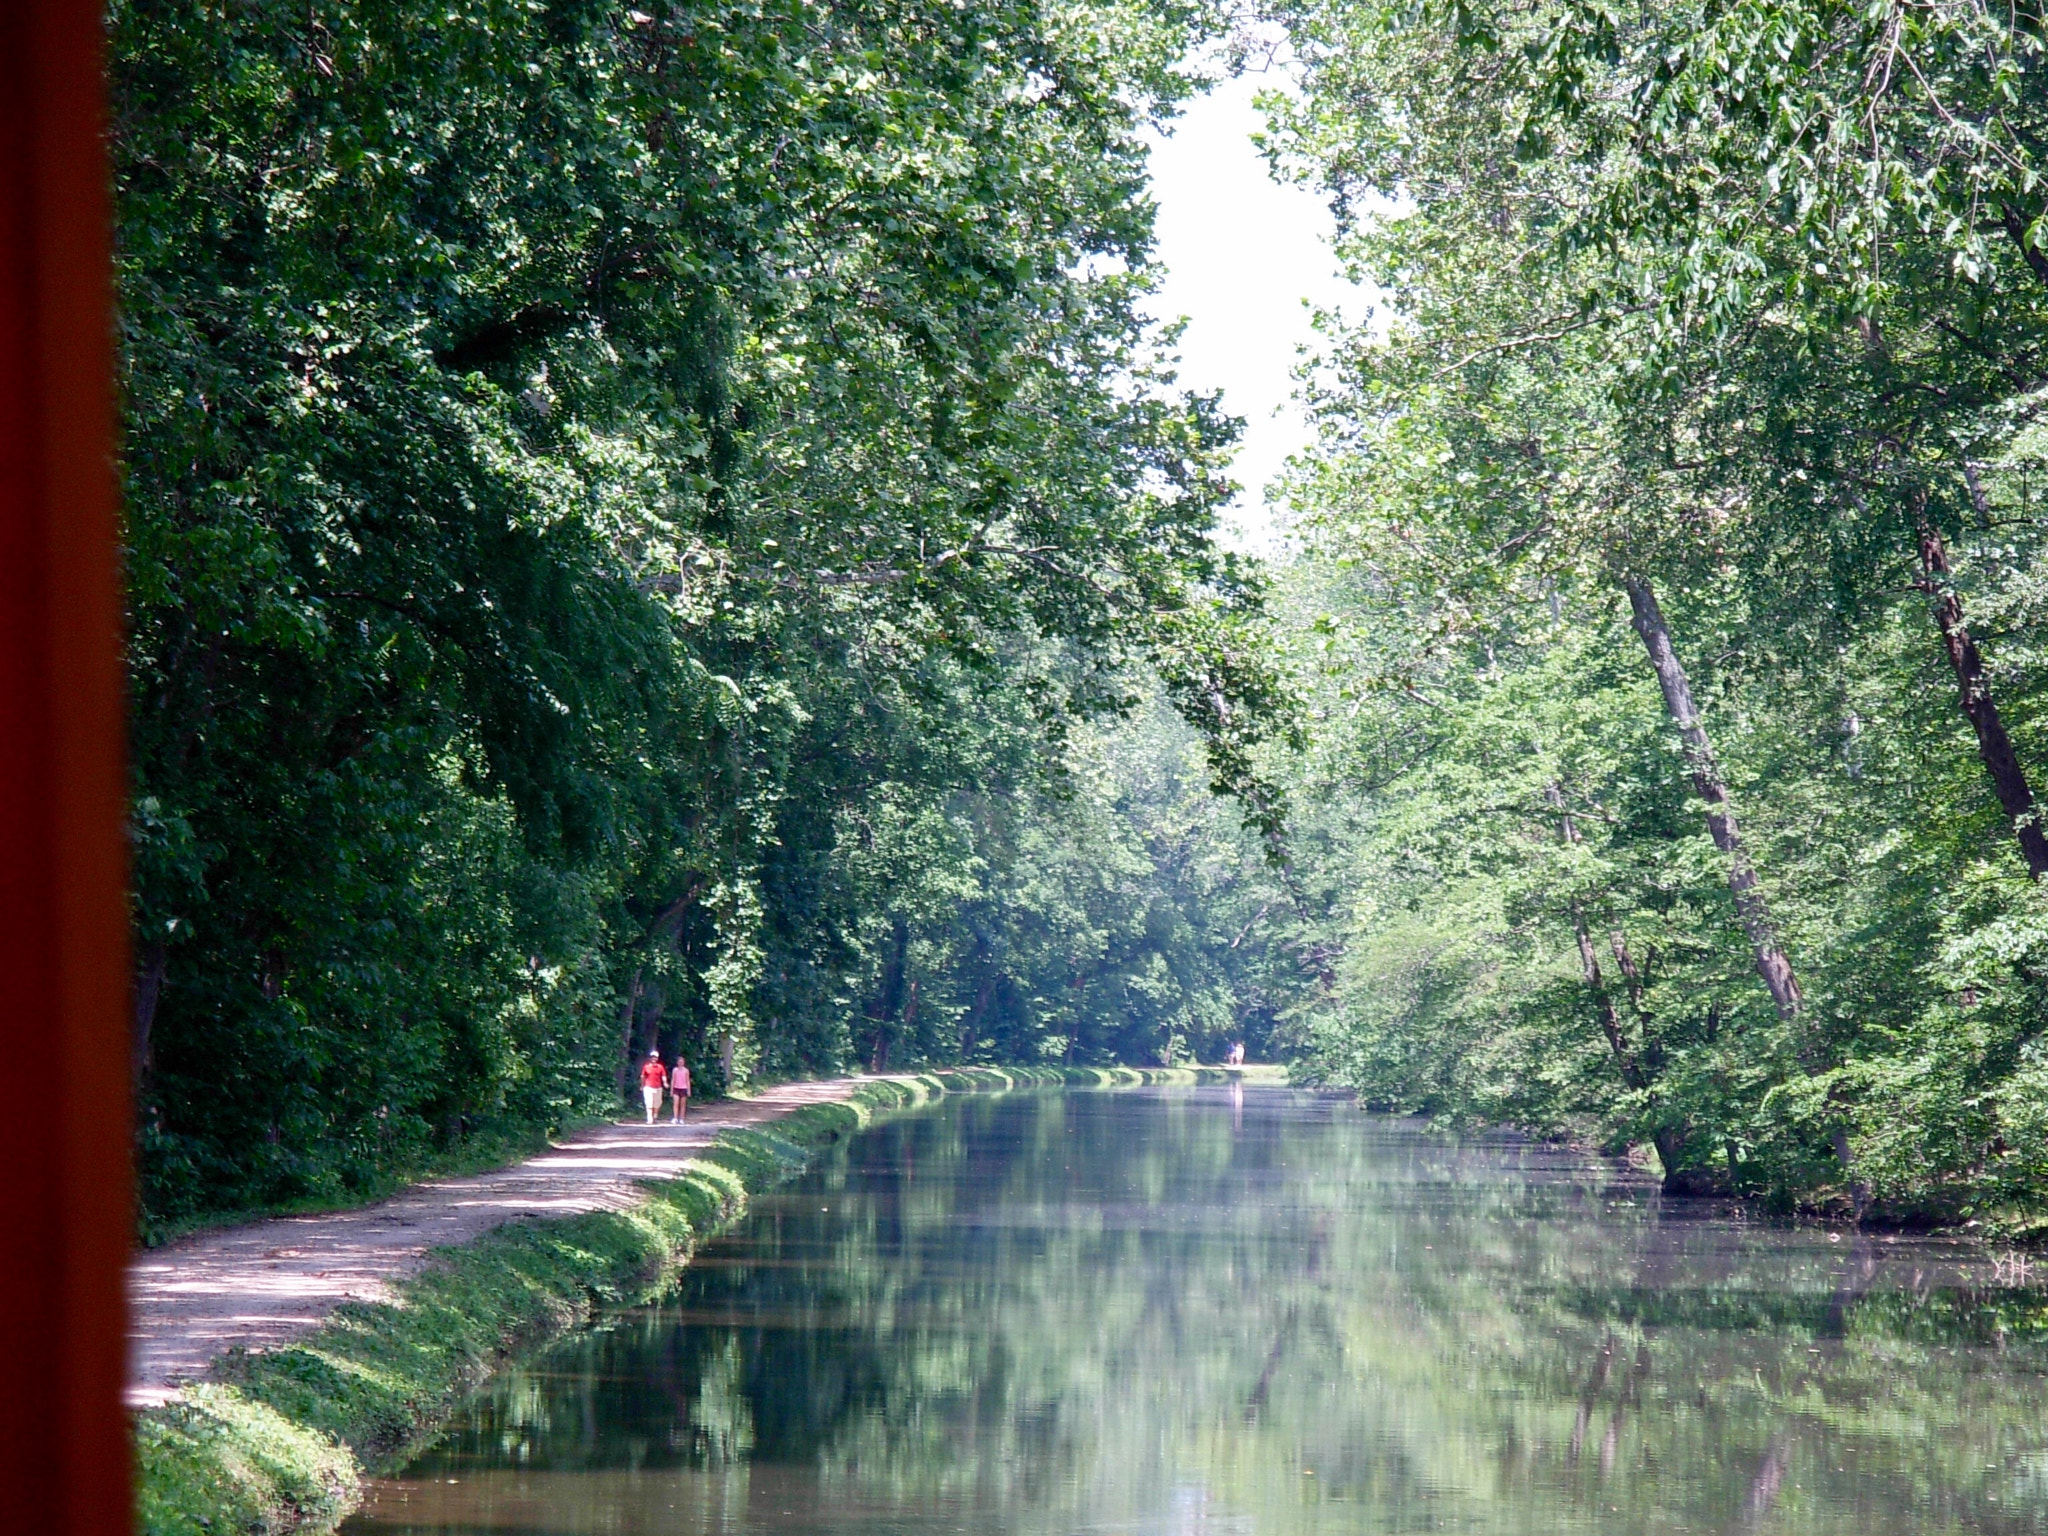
{"x": 584, "y": 461}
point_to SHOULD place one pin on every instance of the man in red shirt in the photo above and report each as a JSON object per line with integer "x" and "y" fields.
{"x": 653, "y": 1078}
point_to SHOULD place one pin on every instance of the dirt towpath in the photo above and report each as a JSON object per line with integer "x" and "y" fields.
{"x": 261, "y": 1285}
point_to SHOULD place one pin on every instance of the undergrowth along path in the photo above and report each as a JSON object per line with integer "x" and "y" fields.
{"x": 261, "y": 1285}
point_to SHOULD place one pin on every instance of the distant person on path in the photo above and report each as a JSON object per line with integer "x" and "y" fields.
{"x": 1236, "y": 1056}
{"x": 653, "y": 1078}
{"x": 679, "y": 1089}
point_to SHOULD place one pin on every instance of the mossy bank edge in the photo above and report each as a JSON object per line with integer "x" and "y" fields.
{"x": 278, "y": 1441}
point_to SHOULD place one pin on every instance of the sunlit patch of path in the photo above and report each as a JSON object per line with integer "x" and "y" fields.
{"x": 261, "y": 1285}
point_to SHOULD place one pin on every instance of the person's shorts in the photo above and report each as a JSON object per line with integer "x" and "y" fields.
{"x": 650, "y": 1096}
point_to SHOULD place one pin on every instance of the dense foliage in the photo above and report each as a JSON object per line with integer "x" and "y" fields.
{"x": 668, "y": 526}
{"x": 1676, "y": 584}
{"x": 628, "y": 508}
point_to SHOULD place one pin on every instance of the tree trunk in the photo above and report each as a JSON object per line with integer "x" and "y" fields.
{"x": 149, "y": 983}
{"x": 1994, "y": 746}
{"x": 2016, "y": 228}
{"x": 669, "y": 921}
{"x": 1603, "y": 1002}
{"x": 1750, "y": 905}
{"x": 1589, "y": 962}
{"x": 970, "y": 1027}
{"x": 895, "y": 974}
{"x": 647, "y": 1033}
{"x": 627, "y": 1015}
{"x": 1630, "y": 972}
{"x": 1771, "y": 963}
{"x": 1636, "y": 1072}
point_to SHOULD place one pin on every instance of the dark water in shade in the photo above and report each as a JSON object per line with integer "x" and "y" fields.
{"x": 1164, "y": 1312}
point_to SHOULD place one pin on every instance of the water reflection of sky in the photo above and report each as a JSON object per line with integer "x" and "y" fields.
{"x": 1162, "y": 1313}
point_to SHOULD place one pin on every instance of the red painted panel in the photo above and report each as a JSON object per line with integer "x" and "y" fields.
{"x": 64, "y": 1121}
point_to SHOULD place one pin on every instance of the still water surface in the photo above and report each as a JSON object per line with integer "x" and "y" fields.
{"x": 1192, "y": 1311}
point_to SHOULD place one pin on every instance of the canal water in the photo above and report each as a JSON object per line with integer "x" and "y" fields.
{"x": 1202, "y": 1310}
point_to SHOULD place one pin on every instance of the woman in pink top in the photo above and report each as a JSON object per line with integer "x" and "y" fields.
{"x": 679, "y": 1088}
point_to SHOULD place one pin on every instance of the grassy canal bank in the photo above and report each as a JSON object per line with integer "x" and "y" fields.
{"x": 278, "y": 1441}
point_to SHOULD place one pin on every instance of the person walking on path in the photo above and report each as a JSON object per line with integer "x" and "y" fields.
{"x": 679, "y": 1089}
{"x": 653, "y": 1078}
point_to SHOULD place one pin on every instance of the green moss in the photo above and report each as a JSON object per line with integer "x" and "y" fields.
{"x": 276, "y": 1442}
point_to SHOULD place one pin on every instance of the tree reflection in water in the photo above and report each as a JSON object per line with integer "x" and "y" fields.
{"x": 1178, "y": 1311}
